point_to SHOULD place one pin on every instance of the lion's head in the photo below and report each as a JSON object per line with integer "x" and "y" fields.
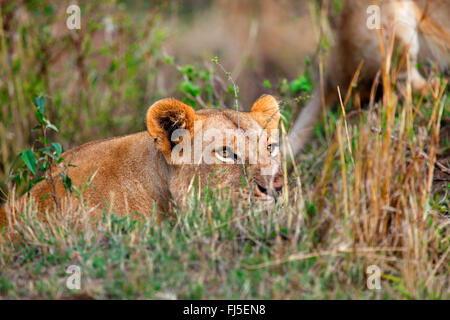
{"x": 222, "y": 147}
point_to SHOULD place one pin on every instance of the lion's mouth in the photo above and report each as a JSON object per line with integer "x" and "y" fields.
{"x": 264, "y": 194}
{"x": 262, "y": 189}
{"x": 269, "y": 191}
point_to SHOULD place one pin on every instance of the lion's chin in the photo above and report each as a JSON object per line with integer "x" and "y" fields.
{"x": 263, "y": 197}
{"x": 267, "y": 201}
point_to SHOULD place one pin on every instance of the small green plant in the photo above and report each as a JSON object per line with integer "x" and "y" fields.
{"x": 40, "y": 163}
{"x": 293, "y": 94}
{"x": 234, "y": 89}
{"x": 198, "y": 86}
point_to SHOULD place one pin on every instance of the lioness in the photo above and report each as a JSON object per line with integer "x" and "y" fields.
{"x": 421, "y": 29}
{"x": 134, "y": 173}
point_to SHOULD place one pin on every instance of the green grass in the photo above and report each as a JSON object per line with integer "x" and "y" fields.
{"x": 212, "y": 251}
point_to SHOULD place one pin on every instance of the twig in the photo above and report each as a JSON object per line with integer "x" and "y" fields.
{"x": 236, "y": 105}
{"x": 51, "y": 181}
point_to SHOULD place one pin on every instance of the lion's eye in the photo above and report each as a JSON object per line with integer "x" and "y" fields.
{"x": 273, "y": 149}
{"x": 226, "y": 154}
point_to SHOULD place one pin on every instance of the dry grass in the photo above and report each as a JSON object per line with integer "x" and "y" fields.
{"x": 370, "y": 204}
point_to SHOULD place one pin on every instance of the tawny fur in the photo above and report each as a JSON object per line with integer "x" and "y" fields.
{"x": 135, "y": 173}
{"x": 421, "y": 29}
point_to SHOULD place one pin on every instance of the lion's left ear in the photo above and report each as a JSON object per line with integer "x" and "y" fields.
{"x": 164, "y": 117}
{"x": 266, "y": 112}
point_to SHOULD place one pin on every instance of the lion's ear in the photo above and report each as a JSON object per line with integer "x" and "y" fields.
{"x": 164, "y": 117}
{"x": 266, "y": 112}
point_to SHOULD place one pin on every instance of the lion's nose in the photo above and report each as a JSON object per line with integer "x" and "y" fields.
{"x": 278, "y": 181}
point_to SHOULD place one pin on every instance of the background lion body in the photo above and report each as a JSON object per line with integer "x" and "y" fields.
{"x": 420, "y": 31}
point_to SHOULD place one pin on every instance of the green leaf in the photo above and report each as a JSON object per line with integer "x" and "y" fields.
{"x": 169, "y": 60}
{"x": 57, "y": 148}
{"x": 40, "y": 117}
{"x": 29, "y": 159}
{"x": 190, "y": 88}
{"x": 49, "y": 154}
{"x": 39, "y": 102}
{"x": 37, "y": 180}
{"x": 189, "y": 71}
{"x": 189, "y": 102}
{"x": 300, "y": 84}
{"x": 67, "y": 182}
